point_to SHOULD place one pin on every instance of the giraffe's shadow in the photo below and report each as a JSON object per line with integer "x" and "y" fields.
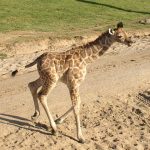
{"x": 24, "y": 123}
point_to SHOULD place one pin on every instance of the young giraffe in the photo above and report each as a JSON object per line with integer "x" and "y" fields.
{"x": 70, "y": 68}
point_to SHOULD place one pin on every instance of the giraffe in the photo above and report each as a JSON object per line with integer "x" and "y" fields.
{"x": 69, "y": 67}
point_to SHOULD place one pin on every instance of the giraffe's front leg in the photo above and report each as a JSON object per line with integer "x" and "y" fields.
{"x": 33, "y": 86}
{"x": 64, "y": 116}
{"x": 74, "y": 93}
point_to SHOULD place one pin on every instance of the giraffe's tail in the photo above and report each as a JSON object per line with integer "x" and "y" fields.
{"x": 27, "y": 66}
{"x": 14, "y": 73}
{"x": 31, "y": 64}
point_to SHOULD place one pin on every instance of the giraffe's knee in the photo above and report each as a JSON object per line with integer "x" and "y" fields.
{"x": 75, "y": 99}
{"x": 35, "y": 116}
{"x": 32, "y": 87}
{"x": 44, "y": 91}
{"x": 76, "y": 109}
{"x": 41, "y": 96}
{"x": 30, "y": 84}
{"x": 76, "y": 105}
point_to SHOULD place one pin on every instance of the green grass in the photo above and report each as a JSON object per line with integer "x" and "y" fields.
{"x": 64, "y": 16}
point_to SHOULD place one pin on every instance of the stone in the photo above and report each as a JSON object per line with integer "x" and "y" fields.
{"x": 98, "y": 147}
{"x": 145, "y": 21}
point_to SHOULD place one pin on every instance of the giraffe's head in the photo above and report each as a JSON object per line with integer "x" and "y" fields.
{"x": 119, "y": 35}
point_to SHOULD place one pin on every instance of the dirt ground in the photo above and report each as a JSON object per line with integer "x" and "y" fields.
{"x": 115, "y": 104}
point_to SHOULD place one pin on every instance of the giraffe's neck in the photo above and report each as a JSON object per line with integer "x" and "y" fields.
{"x": 95, "y": 49}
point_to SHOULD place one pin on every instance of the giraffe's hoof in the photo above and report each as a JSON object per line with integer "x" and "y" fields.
{"x": 33, "y": 119}
{"x": 58, "y": 121}
{"x": 49, "y": 128}
{"x": 54, "y": 132}
{"x": 81, "y": 140}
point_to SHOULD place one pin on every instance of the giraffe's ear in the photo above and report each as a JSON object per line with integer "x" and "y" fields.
{"x": 111, "y": 31}
{"x": 119, "y": 25}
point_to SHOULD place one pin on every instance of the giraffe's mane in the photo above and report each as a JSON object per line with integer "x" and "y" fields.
{"x": 96, "y": 41}
{"x": 86, "y": 45}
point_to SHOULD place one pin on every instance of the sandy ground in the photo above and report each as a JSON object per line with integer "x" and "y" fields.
{"x": 115, "y": 104}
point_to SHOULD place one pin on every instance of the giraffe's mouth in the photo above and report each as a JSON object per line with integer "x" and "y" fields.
{"x": 127, "y": 39}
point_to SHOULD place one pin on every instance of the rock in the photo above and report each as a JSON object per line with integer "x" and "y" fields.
{"x": 94, "y": 139}
{"x": 98, "y": 147}
{"x": 137, "y": 111}
{"x": 142, "y": 22}
{"x": 79, "y": 37}
{"x": 84, "y": 125}
{"x": 119, "y": 127}
{"x": 145, "y": 21}
{"x": 113, "y": 146}
{"x": 116, "y": 140}
{"x": 73, "y": 147}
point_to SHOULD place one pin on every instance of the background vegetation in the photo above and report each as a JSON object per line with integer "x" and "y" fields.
{"x": 62, "y": 16}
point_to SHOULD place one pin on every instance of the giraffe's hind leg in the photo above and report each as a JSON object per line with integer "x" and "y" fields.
{"x": 63, "y": 117}
{"x": 33, "y": 86}
{"x": 75, "y": 97}
{"x": 48, "y": 85}
{"x": 74, "y": 93}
